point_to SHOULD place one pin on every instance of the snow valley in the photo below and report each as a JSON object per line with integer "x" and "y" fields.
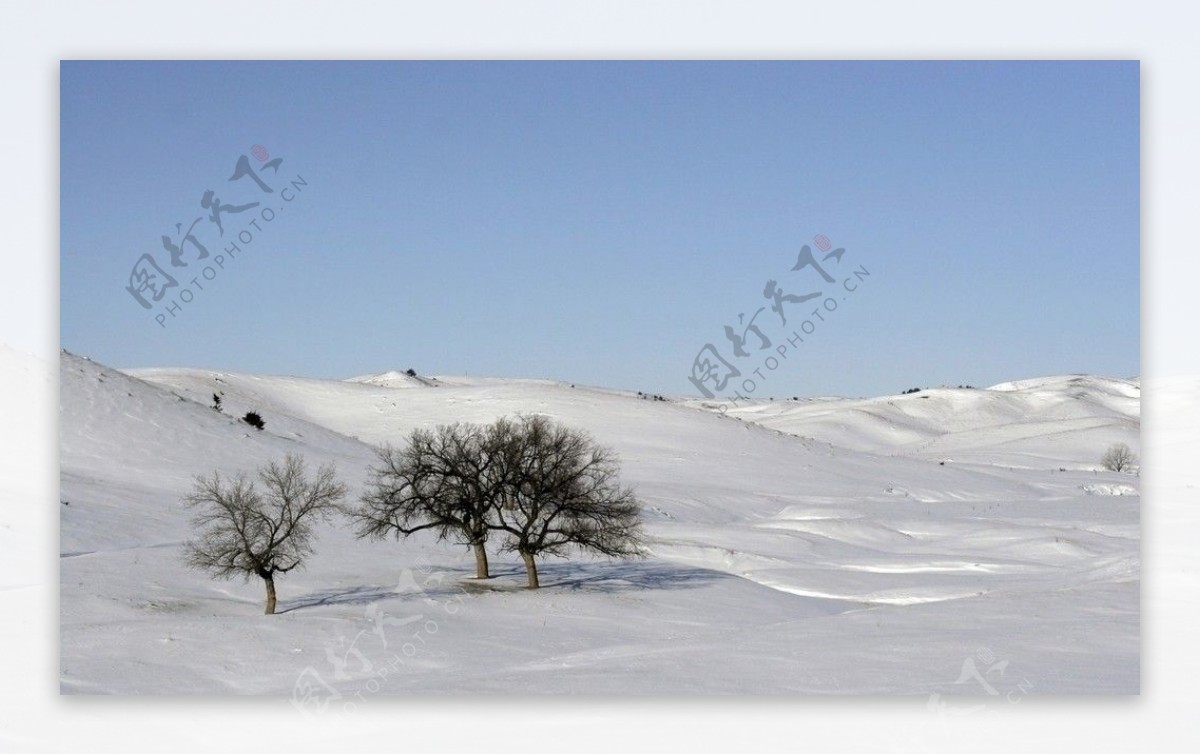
{"x": 944, "y": 541}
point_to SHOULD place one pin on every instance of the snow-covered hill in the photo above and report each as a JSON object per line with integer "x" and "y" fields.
{"x": 1064, "y": 421}
{"x": 820, "y": 546}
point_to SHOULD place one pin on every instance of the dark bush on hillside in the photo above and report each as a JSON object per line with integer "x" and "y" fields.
{"x": 254, "y": 420}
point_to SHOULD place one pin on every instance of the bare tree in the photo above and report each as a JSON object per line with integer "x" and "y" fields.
{"x": 1119, "y": 458}
{"x": 447, "y": 481}
{"x": 244, "y": 532}
{"x": 561, "y": 492}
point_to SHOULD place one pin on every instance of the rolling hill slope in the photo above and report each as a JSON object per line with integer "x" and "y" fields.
{"x": 801, "y": 551}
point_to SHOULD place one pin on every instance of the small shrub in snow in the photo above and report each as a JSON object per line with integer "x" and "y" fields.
{"x": 254, "y": 420}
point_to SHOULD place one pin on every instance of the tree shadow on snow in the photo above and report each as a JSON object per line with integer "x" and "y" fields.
{"x": 610, "y": 577}
{"x": 587, "y": 577}
{"x": 351, "y": 596}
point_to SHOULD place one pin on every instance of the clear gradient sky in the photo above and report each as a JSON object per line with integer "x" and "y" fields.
{"x": 601, "y": 222}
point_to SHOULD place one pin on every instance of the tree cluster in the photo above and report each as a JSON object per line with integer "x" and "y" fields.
{"x": 538, "y": 486}
{"x": 542, "y": 487}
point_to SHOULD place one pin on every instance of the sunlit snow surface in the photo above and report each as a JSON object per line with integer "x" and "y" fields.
{"x": 952, "y": 541}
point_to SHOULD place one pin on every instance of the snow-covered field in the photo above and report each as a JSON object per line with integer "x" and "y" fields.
{"x": 952, "y": 541}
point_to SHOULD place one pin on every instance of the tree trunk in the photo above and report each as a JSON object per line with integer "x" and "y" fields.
{"x": 270, "y": 580}
{"x": 531, "y": 570}
{"x": 481, "y": 564}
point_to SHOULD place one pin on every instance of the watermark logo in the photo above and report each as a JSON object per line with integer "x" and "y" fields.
{"x": 166, "y": 294}
{"x": 712, "y": 373}
{"x": 983, "y": 681}
{"x": 982, "y": 673}
{"x": 365, "y": 661}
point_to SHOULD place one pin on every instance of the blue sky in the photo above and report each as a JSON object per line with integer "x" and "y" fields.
{"x": 601, "y": 222}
